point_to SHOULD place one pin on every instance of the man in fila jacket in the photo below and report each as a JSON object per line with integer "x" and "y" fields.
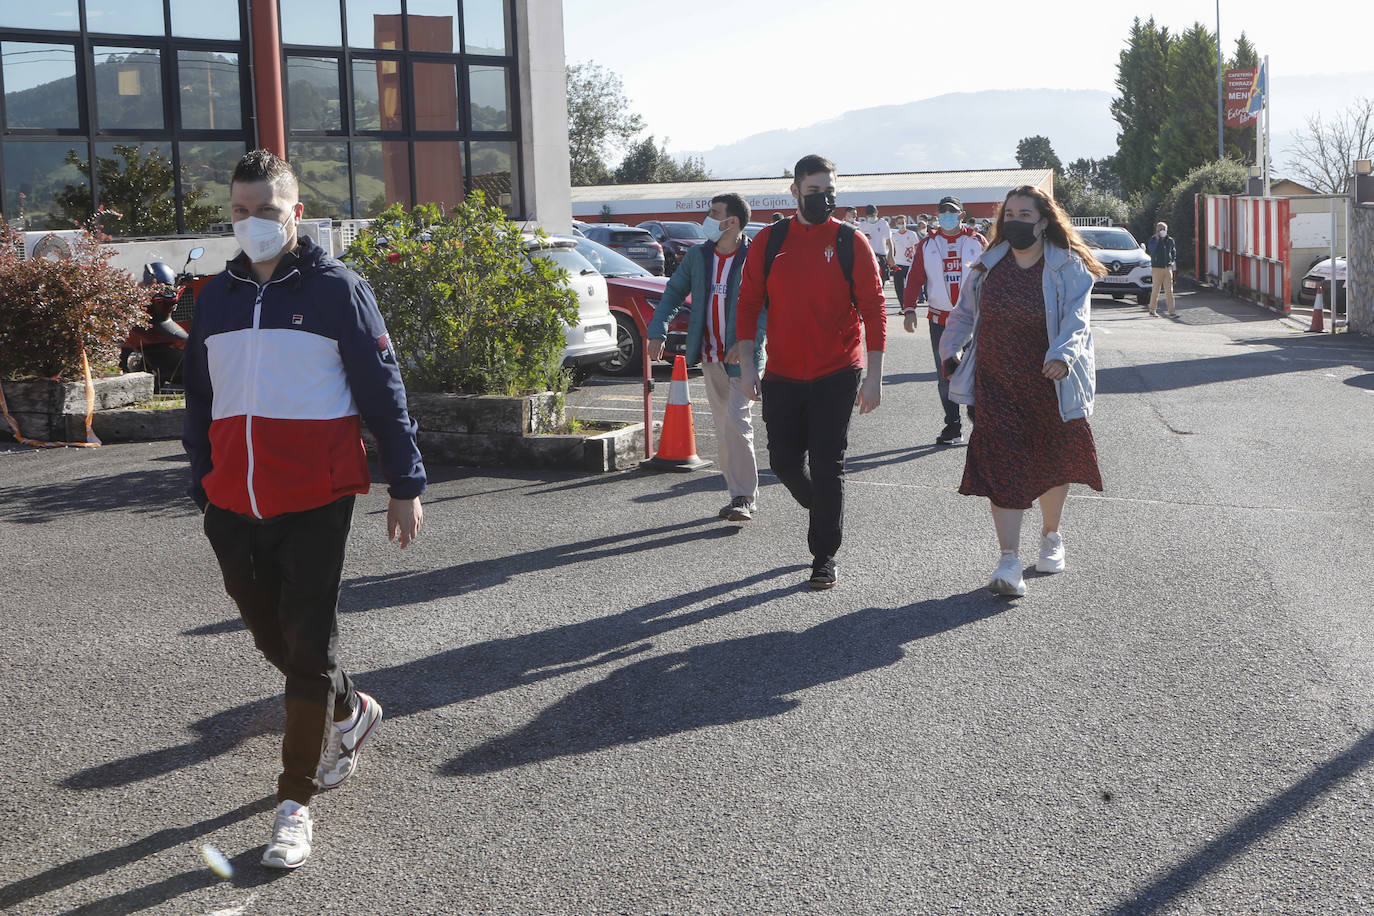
{"x": 940, "y": 265}
{"x": 287, "y": 356}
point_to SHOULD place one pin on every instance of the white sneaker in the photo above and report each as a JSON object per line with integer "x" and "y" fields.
{"x": 292, "y": 832}
{"x": 1051, "y": 553}
{"x": 1006, "y": 578}
{"x": 341, "y": 752}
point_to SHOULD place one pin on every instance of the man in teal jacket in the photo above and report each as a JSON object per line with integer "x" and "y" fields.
{"x": 711, "y": 274}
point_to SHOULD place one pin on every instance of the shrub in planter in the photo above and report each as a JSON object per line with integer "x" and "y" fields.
{"x": 52, "y": 307}
{"x": 466, "y": 308}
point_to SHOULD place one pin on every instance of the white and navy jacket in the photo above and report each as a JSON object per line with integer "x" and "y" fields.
{"x": 277, "y": 379}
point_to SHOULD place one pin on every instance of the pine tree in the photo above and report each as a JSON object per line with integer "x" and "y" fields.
{"x": 1188, "y": 137}
{"x": 1037, "y": 153}
{"x": 1141, "y": 108}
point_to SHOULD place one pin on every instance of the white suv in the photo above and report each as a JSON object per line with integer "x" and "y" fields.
{"x": 1128, "y": 266}
{"x": 592, "y": 339}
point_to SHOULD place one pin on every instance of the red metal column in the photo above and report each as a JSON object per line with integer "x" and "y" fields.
{"x": 271, "y": 126}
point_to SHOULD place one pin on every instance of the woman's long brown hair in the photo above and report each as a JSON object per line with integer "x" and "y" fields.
{"x": 1060, "y": 229}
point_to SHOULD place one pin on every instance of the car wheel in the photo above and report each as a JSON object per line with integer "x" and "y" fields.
{"x": 629, "y": 357}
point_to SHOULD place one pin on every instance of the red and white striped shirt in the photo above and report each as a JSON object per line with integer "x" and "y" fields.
{"x": 713, "y": 347}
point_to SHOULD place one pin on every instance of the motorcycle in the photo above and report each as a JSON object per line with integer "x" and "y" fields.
{"x": 160, "y": 346}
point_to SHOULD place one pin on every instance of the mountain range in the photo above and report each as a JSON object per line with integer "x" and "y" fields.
{"x": 980, "y": 130}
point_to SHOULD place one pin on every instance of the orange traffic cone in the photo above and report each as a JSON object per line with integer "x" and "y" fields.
{"x": 677, "y": 444}
{"x": 1317, "y": 314}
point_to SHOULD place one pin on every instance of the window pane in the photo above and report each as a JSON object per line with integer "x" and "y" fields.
{"x": 432, "y": 25}
{"x": 127, "y": 17}
{"x": 135, "y": 181}
{"x": 38, "y": 179}
{"x": 311, "y": 22}
{"x": 322, "y": 172}
{"x": 439, "y": 172}
{"x": 40, "y": 85}
{"x": 490, "y": 89}
{"x": 436, "y": 96}
{"x": 189, "y": 20}
{"x": 58, "y": 14}
{"x": 374, "y": 24}
{"x": 205, "y": 172}
{"x": 484, "y": 27}
{"x": 128, "y": 88}
{"x": 377, "y": 95}
{"x": 381, "y": 176}
{"x": 312, "y": 89}
{"x": 210, "y": 97}
{"x": 493, "y": 172}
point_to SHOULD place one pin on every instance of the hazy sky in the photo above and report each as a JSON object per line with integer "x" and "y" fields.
{"x": 667, "y": 51}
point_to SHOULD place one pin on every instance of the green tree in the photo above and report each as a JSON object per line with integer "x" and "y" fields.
{"x": 1188, "y": 137}
{"x": 1141, "y": 107}
{"x": 599, "y": 120}
{"x": 1240, "y": 141}
{"x": 1037, "y": 153}
{"x": 1094, "y": 174}
{"x": 136, "y": 195}
{"x": 1219, "y": 176}
{"x": 646, "y": 163}
{"x": 1079, "y": 199}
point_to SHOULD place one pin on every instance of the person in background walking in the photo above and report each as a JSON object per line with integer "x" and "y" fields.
{"x": 287, "y": 357}
{"x": 1030, "y": 372}
{"x": 818, "y": 321}
{"x": 879, "y": 238}
{"x": 710, "y": 274}
{"x": 904, "y": 243}
{"x": 939, "y": 267}
{"x": 851, "y": 216}
{"x": 1163, "y": 260}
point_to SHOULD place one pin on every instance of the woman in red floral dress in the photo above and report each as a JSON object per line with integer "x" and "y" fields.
{"x": 1029, "y": 371}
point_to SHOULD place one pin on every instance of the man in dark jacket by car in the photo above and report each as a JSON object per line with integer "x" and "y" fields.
{"x": 1163, "y": 260}
{"x": 287, "y": 356}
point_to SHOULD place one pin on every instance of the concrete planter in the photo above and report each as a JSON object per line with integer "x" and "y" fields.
{"x": 56, "y": 411}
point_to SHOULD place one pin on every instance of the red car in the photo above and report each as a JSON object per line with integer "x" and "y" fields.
{"x": 635, "y": 293}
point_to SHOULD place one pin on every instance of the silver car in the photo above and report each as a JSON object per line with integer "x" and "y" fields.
{"x": 592, "y": 339}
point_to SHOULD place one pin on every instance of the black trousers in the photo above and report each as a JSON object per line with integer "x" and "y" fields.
{"x": 808, "y": 425}
{"x": 899, "y": 282}
{"x": 951, "y": 409}
{"x": 283, "y": 573}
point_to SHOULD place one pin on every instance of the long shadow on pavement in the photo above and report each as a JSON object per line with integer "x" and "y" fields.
{"x": 460, "y": 674}
{"x": 1169, "y": 885}
{"x": 1188, "y": 373}
{"x": 721, "y": 683}
{"x": 99, "y": 863}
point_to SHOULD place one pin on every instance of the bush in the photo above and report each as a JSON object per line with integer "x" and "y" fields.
{"x": 1077, "y": 201}
{"x": 467, "y": 310}
{"x": 52, "y": 307}
{"x": 1221, "y": 176}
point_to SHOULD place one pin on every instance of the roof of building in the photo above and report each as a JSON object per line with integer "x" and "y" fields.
{"x": 993, "y": 181}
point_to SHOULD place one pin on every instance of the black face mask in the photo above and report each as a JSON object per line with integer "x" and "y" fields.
{"x": 817, "y": 206}
{"x": 1020, "y": 235}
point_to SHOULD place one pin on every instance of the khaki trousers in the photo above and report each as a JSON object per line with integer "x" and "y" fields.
{"x": 1161, "y": 278}
{"x": 731, "y": 411}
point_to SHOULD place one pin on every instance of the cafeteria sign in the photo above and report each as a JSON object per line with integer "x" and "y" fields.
{"x": 1244, "y": 95}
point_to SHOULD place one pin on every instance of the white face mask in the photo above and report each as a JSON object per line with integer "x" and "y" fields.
{"x": 1163, "y": 233}
{"x": 261, "y": 239}
{"x": 712, "y": 229}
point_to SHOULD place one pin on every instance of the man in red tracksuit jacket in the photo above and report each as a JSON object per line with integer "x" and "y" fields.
{"x": 815, "y": 353}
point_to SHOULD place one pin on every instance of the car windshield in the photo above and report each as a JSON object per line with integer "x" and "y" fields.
{"x": 684, "y": 231}
{"x": 609, "y": 263}
{"x": 567, "y": 258}
{"x": 1109, "y": 239}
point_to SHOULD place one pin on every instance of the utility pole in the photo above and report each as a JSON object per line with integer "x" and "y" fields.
{"x": 1221, "y": 148}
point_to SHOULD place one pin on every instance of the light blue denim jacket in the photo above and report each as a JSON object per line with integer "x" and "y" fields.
{"x": 1068, "y": 287}
{"x": 693, "y": 276}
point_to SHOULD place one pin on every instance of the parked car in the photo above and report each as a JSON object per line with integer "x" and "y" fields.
{"x": 677, "y": 238}
{"x": 1128, "y": 266}
{"x": 1319, "y": 278}
{"x": 634, "y": 293}
{"x": 592, "y": 339}
{"x": 631, "y": 241}
{"x": 753, "y": 229}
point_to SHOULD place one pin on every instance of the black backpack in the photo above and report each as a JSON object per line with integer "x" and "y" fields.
{"x": 844, "y": 248}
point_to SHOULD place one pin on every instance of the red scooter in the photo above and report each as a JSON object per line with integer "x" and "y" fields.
{"x": 160, "y": 346}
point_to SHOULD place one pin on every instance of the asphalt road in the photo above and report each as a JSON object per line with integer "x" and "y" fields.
{"x": 601, "y": 699}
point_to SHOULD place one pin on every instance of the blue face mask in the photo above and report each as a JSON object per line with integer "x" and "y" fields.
{"x": 712, "y": 229}
{"x": 949, "y": 221}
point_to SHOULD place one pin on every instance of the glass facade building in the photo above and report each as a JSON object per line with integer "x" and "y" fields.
{"x": 142, "y": 107}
